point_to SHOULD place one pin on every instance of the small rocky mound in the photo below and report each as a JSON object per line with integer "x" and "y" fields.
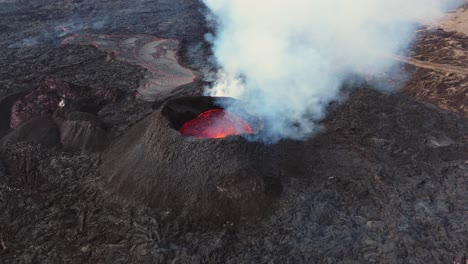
{"x": 74, "y": 131}
{"x": 51, "y": 95}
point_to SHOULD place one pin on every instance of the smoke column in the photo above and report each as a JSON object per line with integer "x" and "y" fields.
{"x": 286, "y": 60}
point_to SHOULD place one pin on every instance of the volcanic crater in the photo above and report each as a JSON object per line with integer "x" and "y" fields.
{"x": 200, "y": 176}
{"x": 114, "y": 177}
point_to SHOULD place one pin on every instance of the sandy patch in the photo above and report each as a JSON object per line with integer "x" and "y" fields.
{"x": 456, "y": 21}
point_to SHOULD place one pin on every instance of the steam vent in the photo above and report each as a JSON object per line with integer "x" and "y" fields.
{"x": 190, "y": 159}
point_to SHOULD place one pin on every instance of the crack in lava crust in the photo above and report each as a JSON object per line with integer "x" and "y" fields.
{"x": 158, "y": 56}
{"x": 216, "y": 123}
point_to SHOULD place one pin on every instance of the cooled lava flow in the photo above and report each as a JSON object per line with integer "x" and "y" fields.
{"x": 216, "y": 123}
{"x": 158, "y": 56}
{"x": 48, "y": 96}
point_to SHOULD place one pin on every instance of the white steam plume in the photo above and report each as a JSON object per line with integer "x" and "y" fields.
{"x": 286, "y": 60}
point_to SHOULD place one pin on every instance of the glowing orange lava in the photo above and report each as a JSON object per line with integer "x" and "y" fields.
{"x": 216, "y": 123}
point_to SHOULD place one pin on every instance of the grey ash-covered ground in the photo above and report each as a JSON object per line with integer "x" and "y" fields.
{"x": 386, "y": 182}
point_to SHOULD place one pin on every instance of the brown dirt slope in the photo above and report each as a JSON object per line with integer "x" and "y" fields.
{"x": 440, "y": 58}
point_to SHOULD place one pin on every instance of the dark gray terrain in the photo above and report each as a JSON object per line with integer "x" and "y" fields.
{"x": 385, "y": 182}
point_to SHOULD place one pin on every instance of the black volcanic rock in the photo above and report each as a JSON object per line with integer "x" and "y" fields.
{"x": 47, "y": 96}
{"x": 374, "y": 180}
{"x": 26, "y": 161}
{"x": 2, "y": 169}
{"x": 5, "y": 110}
{"x": 386, "y": 182}
{"x": 82, "y": 131}
{"x": 209, "y": 179}
{"x": 38, "y": 130}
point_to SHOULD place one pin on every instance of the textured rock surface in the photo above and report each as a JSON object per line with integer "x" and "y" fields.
{"x": 445, "y": 89}
{"x": 38, "y": 130}
{"x": 385, "y": 183}
{"x": 83, "y": 131}
{"x": 6, "y": 103}
{"x": 158, "y": 56}
{"x": 373, "y": 185}
{"x": 51, "y": 95}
